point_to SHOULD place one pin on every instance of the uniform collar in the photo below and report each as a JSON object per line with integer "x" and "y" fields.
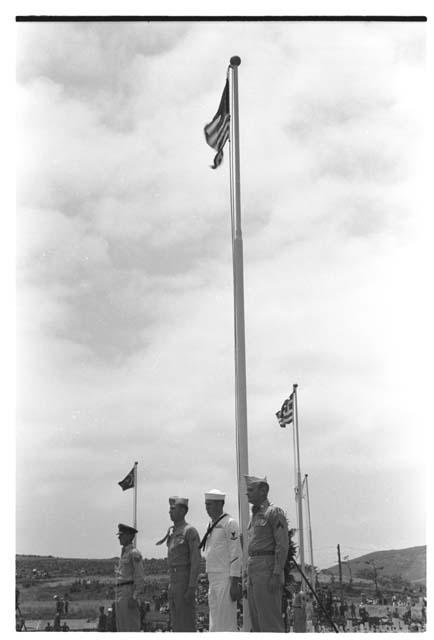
{"x": 262, "y": 507}
{"x": 127, "y": 547}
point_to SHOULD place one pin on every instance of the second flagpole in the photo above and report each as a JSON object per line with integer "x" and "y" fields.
{"x": 299, "y": 485}
{"x": 135, "y": 501}
{"x": 239, "y": 325}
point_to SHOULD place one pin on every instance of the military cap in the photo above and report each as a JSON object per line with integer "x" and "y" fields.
{"x": 215, "y": 494}
{"x": 174, "y": 500}
{"x": 252, "y": 481}
{"x": 125, "y": 528}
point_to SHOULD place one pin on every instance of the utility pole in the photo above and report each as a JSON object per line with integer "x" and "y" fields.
{"x": 372, "y": 563}
{"x": 340, "y": 573}
{"x": 347, "y": 560}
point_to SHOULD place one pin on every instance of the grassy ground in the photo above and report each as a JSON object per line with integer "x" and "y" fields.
{"x": 37, "y": 600}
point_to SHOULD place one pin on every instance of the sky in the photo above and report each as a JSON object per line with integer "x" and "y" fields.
{"x": 124, "y": 278}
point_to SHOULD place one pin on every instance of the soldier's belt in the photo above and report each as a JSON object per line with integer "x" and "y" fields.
{"x": 254, "y": 554}
{"x": 178, "y": 567}
{"x": 121, "y": 584}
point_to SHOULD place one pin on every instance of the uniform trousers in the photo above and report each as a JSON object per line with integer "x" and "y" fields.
{"x": 182, "y": 613}
{"x": 264, "y": 606}
{"x": 127, "y": 619}
{"x": 222, "y": 610}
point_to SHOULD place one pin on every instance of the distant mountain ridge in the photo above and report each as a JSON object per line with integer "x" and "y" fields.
{"x": 409, "y": 563}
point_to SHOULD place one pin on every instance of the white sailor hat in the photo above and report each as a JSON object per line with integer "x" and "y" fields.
{"x": 215, "y": 494}
{"x": 251, "y": 481}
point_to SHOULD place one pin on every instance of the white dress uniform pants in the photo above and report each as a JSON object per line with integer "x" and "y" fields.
{"x": 222, "y": 610}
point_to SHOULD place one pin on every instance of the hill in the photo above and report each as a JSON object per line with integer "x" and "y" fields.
{"x": 50, "y": 566}
{"x": 409, "y": 564}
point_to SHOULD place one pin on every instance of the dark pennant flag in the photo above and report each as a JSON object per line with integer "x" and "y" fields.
{"x": 128, "y": 481}
{"x": 217, "y": 131}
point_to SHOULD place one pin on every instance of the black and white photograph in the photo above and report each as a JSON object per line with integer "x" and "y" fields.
{"x": 221, "y": 280}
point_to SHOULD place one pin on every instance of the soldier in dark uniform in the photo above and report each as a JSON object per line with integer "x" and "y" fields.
{"x": 183, "y": 557}
{"x": 268, "y": 549}
{"x": 130, "y": 582}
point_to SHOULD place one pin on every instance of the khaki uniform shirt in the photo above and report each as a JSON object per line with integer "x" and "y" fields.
{"x": 183, "y": 550}
{"x": 268, "y": 531}
{"x": 131, "y": 568}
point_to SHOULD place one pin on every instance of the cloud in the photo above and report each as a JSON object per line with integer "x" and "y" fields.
{"x": 125, "y": 270}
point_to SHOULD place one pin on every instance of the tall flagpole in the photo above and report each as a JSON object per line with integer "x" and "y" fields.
{"x": 309, "y": 523}
{"x": 299, "y": 486}
{"x": 239, "y": 327}
{"x": 135, "y": 501}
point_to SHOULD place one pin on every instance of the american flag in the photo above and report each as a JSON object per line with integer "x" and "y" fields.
{"x": 286, "y": 414}
{"x": 217, "y": 131}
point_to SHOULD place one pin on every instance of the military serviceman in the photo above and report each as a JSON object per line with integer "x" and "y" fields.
{"x": 130, "y": 582}
{"x": 183, "y": 558}
{"x": 267, "y": 550}
{"x": 222, "y": 550}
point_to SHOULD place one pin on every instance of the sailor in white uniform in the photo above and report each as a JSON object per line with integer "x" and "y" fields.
{"x": 222, "y": 549}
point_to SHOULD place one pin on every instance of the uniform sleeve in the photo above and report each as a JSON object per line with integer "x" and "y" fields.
{"x": 232, "y": 531}
{"x": 138, "y": 574}
{"x": 279, "y": 526}
{"x": 193, "y": 541}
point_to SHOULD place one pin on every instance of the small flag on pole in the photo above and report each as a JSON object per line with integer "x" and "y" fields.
{"x": 286, "y": 414}
{"x": 128, "y": 481}
{"x": 217, "y": 131}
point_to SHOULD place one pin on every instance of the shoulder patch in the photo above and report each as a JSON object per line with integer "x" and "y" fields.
{"x": 136, "y": 555}
{"x": 277, "y": 512}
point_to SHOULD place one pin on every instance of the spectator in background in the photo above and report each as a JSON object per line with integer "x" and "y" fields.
{"x": 299, "y": 605}
{"x": 59, "y": 604}
{"x": 65, "y": 604}
{"x": 423, "y": 611}
{"x": 102, "y": 620}
{"x": 56, "y": 623}
{"x": 111, "y": 618}
{"x": 309, "y": 614}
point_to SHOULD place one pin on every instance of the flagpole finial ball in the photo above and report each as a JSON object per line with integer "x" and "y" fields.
{"x": 235, "y": 61}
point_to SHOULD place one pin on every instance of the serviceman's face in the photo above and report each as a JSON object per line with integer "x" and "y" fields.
{"x": 255, "y": 494}
{"x": 125, "y": 538}
{"x": 176, "y": 512}
{"x": 214, "y": 508}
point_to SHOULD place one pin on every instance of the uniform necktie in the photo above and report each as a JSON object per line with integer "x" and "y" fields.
{"x": 208, "y": 531}
{"x": 169, "y": 530}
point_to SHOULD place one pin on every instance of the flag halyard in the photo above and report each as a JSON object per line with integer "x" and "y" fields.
{"x": 128, "y": 481}
{"x": 217, "y": 131}
{"x": 286, "y": 414}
